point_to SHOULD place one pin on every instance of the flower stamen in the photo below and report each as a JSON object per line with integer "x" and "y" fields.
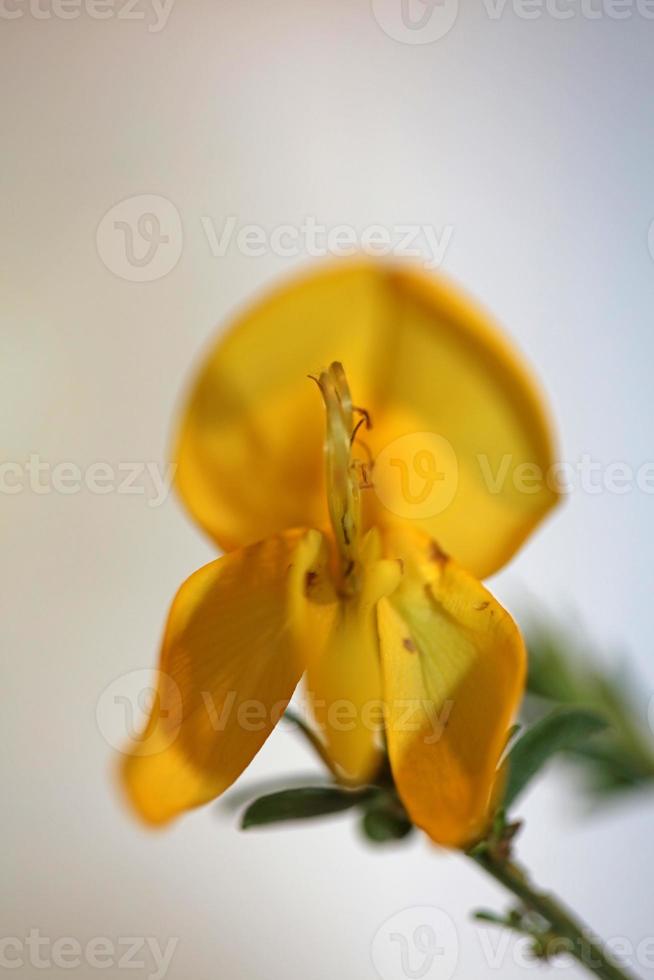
{"x": 342, "y": 472}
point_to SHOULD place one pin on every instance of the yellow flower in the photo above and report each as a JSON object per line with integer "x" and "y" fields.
{"x": 337, "y": 539}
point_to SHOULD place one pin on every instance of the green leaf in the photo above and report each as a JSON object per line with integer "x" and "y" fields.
{"x": 562, "y": 730}
{"x": 381, "y": 826}
{"x": 483, "y": 915}
{"x": 564, "y": 669}
{"x": 301, "y": 804}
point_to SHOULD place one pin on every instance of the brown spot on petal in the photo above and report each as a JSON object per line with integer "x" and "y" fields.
{"x": 408, "y": 644}
{"x": 437, "y": 554}
{"x": 480, "y": 606}
{"x": 310, "y": 579}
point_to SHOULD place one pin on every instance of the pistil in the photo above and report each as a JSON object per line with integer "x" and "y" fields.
{"x": 342, "y": 471}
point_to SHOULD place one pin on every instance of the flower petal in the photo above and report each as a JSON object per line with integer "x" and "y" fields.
{"x": 422, "y": 359}
{"x": 228, "y": 668}
{"x": 338, "y": 637}
{"x": 453, "y": 665}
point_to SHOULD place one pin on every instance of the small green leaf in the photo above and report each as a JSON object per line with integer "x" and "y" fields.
{"x": 381, "y": 826}
{"x": 301, "y": 804}
{"x": 562, "y": 730}
{"x": 483, "y": 915}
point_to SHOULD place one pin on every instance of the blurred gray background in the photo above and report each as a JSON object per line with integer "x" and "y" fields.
{"x": 532, "y": 140}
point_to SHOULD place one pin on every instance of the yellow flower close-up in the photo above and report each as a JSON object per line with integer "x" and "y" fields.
{"x": 312, "y": 316}
{"x": 353, "y": 444}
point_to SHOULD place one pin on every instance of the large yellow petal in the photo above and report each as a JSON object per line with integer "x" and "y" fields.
{"x": 453, "y": 665}
{"x": 424, "y": 360}
{"x": 338, "y": 638}
{"x": 228, "y": 668}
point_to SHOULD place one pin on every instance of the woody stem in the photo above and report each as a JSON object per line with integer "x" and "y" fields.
{"x": 565, "y": 933}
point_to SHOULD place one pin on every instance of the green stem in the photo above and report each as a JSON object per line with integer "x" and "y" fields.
{"x": 566, "y": 933}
